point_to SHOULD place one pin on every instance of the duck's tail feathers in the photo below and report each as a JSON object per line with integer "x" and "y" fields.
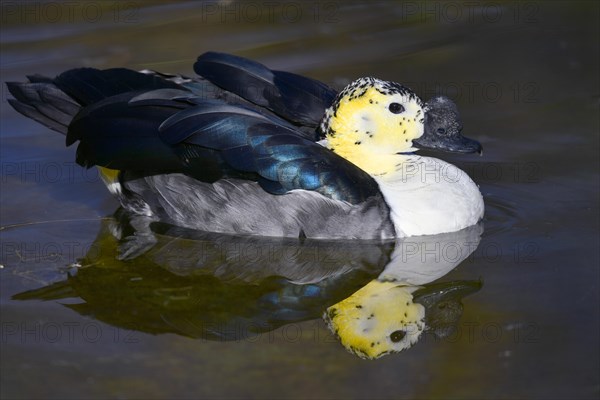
{"x": 55, "y": 102}
{"x": 89, "y": 85}
{"x": 296, "y": 98}
{"x": 41, "y": 100}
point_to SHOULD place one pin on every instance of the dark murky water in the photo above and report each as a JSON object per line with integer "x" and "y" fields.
{"x": 216, "y": 316}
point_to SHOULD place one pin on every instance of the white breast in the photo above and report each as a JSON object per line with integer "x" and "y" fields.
{"x": 428, "y": 196}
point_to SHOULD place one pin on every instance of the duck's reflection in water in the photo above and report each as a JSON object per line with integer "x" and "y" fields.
{"x": 377, "y": 297}
{"x": 390, "y": 313}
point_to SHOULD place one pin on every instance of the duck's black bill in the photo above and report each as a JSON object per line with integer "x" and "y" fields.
{"x": 442, "y": 292}
{"x": 449, "y": 144}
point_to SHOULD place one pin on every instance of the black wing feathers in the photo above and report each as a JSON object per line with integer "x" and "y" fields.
{"x": 296, "y": 98}
{"x": 113, "y": 134}
{"x": 132, "y": 121}
{"x": 55, "y": 102}
{"x": 89, "y": 85}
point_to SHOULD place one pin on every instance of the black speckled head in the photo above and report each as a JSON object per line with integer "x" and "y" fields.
{"x": 443, "y": 128}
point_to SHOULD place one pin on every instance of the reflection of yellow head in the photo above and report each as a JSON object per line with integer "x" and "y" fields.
{"x": 378, "y": 319}
{"x": 371, "y": 121}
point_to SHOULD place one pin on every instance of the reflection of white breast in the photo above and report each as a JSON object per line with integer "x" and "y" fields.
{"x": 428, "y": 196}
{"x": 424, "y": 259}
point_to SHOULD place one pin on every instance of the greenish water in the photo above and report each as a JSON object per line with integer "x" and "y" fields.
{"x": 215, "y": 316}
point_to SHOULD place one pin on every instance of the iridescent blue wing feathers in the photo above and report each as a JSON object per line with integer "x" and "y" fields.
{"x": 251, "y": 142}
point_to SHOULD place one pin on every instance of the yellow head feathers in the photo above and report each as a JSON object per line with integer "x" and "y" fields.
{"x": 371, "y": 121}
{"x": 378, "y": 319}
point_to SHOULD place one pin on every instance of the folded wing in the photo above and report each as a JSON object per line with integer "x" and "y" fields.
{"x": 171, "y": 130}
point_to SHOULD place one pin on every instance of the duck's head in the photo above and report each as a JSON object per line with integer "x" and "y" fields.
{"x": 371, "y": 121}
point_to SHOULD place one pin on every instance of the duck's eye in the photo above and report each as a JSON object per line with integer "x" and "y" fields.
{"x": 396, "y": 108}
{"x": 441, "y": 131}
{"x": 397, "y": 336}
